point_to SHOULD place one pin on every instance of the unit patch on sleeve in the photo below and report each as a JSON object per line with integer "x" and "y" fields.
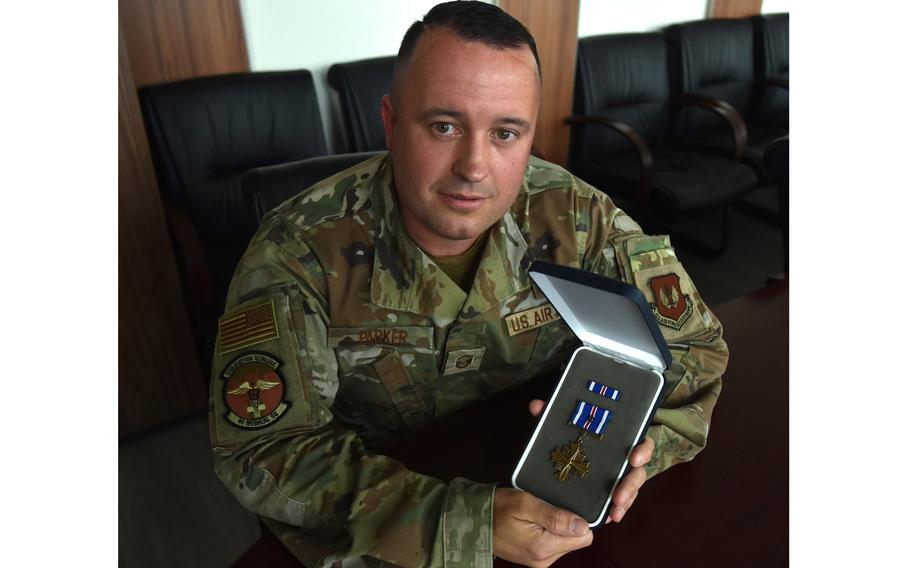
{"x": 530, "y": 319}
{"x": 247, "y": 328}
{"x": 253, "y": 391}
{"x": 671, "y": 307}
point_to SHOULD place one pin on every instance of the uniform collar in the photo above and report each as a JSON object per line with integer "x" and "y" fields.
{"x": 406, "y": 279}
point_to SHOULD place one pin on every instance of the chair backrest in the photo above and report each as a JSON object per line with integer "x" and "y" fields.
{"x": 269, "y": 186}
{"x": 204, "y": 134}
{"x": 714, "y": 58}
{"x": 361, "y": 85}
{"x": 772, "y": 61}
{"x": 623, "y": 77}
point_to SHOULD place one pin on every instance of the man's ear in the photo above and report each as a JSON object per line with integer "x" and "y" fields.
{"x": 388, "y": 119}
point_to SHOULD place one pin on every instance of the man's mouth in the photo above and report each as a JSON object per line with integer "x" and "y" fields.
{"x": 464, "y": 197}
{"x": 463, "y": 201}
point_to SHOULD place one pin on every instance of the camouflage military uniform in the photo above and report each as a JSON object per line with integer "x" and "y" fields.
{"x": 340, "y": 335}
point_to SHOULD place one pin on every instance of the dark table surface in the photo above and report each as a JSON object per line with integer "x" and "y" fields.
{"x": 728, "y": 507}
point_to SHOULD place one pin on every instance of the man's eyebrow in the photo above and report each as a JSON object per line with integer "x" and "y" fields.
{"x": 440, "y": 112}
{"x": 519, "y": 122}
{"x": 437, "y": 112}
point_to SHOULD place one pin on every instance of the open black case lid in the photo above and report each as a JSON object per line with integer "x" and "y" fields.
{"x": 619, "y": 323}
{"x": 624, "y": 349}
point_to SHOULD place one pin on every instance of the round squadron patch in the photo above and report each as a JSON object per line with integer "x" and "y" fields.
{"x": 253, "y": 391}
{"x": 671, "y": 307}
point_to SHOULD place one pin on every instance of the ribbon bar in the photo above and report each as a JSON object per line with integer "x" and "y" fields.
{"x": 590, "y": 417}
{"x": 603, "y": 390}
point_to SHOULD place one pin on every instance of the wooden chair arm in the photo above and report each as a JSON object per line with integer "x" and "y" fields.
{"x": 645, "y": 159}
{"x": 726, "y": 111}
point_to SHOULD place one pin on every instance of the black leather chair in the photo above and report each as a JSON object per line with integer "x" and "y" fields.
{"x": 714, "y": 60}
{"x": 772, "y": 68}
{"x": 619, "y": 140}
{"x": 361, "y": 85}
{"x": 204, "y": 134}
{"x": 268, "y": 186}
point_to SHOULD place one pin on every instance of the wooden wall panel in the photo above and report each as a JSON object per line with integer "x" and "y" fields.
{"x": 159, "y": 377}
{"x": 555, "y": 29}
{"x": 735, "y": 8}
{"x": 170, "y": 40}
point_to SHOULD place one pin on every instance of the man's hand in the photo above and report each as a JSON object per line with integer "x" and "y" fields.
{"x": 528, "y": 531}
{"x": 627, "y": 490}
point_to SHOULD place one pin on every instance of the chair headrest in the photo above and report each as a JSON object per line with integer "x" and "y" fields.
{"x": 361, "y": 85}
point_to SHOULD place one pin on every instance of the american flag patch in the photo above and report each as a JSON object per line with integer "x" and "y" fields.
{"x": 249, "y": 327}
{"x": 590, "y": 417}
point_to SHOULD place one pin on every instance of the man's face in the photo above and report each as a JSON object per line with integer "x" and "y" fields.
{"x": 460, "y": 132}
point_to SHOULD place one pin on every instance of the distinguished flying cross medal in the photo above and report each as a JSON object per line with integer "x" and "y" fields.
{"x": 253, "y": 391}
{"x": 570, "y": 460}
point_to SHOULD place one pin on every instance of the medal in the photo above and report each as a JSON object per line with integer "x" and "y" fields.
{"x": 570, "y": 461}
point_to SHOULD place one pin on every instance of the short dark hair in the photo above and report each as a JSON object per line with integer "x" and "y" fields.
{"x": 471, "y": 21}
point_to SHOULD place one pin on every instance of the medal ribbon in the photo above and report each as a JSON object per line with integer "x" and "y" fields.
{"x": 603, "y": 390}
{"x": 590, "y": 417}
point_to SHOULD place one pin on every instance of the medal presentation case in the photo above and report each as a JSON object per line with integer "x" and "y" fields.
{"x": 605, "y": 399}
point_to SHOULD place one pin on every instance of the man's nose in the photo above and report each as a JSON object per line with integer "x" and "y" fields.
{"x": 472, "y": 161}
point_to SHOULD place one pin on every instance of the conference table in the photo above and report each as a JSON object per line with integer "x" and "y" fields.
{"x": 727, "y": 507}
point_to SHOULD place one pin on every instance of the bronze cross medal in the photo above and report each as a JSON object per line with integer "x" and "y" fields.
{"x": 570, "y": 460}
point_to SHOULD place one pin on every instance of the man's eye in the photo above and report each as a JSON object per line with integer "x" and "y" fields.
{"x": 444, "y": 128}
{"x": 505, "y": 135}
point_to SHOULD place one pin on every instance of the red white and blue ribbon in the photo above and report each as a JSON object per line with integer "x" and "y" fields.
{"x": 590, "y": 417}
{"x": 603, "y": 390}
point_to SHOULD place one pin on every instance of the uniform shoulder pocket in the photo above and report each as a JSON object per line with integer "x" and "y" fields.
{"x": 671, "y": 295}
{"x": 259, "y": 384}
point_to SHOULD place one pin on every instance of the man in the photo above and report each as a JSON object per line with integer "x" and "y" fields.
{"x": 377, "y": 300}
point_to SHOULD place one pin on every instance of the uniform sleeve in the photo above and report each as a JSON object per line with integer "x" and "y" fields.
{"x": 279, "y": 452}
{"x": 616, "y": 247}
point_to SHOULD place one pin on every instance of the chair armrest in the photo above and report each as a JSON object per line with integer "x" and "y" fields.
{"x": 645, "y": 159}
{"x": 193, "y": 264}
{"x": 726, "y": 111}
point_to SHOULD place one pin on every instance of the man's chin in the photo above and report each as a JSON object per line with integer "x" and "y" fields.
{"x": 467, "y": 234}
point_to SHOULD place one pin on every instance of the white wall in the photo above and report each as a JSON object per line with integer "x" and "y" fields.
{"x": 775, "y": 6}
{"x": 314, "y": 34}
{"x": 597, "y": 17}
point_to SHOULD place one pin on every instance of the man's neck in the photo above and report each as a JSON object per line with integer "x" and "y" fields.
{"x": 462, "y": 268}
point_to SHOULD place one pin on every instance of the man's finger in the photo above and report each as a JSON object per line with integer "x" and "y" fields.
{"x": 642, "y": 453}
{"x": 547, "y": 547}
{"x": 536, "y": 407}
{"x": 557, "y": 521}
{"x": 630, "y": 485}
{"x": 617, "y": 513}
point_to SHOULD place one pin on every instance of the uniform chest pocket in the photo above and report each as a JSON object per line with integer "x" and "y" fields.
{"x": 555, "y": 343}
{"x": 382, "y": 389}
